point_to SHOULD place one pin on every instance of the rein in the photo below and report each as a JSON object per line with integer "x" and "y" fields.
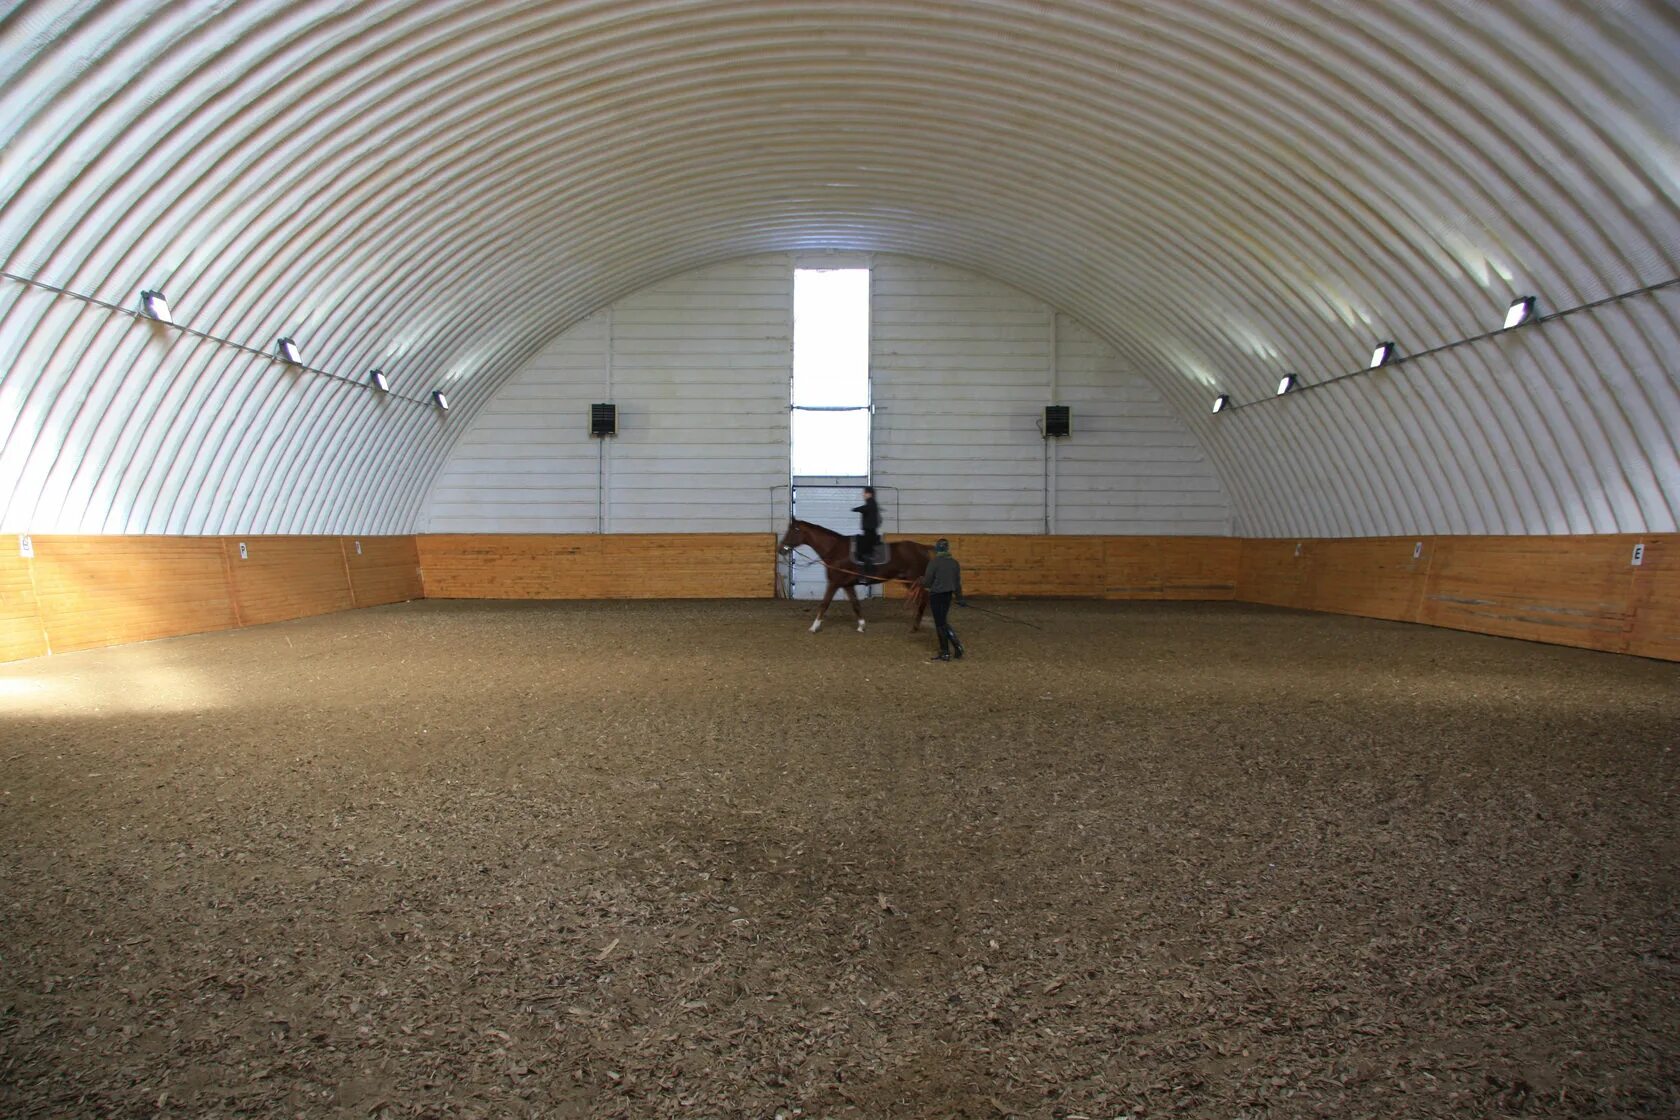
{"x": 915, "y": 585}
{"x": 1006, "y": 618}
{"x": 840, "y": 542}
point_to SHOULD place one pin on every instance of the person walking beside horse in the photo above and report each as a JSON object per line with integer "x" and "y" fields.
{"x": 943, "y": 581}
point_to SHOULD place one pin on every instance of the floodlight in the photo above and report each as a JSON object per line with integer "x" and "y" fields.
{"x": 1381, "y": 355}
{"x": 377, "y": 377}
{"x": 154, "y": 306}
{"x": 1520, "y": 312}
{"x": 441, "y": 400}
{"x": 288, "y": 351}
{"x": 1286, "y": 383}
{"x": 1221, "y": 402}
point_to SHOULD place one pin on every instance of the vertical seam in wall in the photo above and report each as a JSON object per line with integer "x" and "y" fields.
{"x": 609, "y": 331}
{"x": 1632, "y": 596}
{"x": 1051, "y": 475}
{"x": 1638, "y": 596}
{"x": 227, "y": 581}
{"x": 35, "y": 598}
{"x": 1414, "y": 609}
{"x": 349, "y": 580}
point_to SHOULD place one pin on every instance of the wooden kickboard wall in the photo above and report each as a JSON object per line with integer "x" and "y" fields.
{"x": 80, "y": 592}
{"x": 1097, "y": 567}
{"x": 596, "y": 566}
{"x": 21, "y": 634}
{"x": 1577, "y": 591}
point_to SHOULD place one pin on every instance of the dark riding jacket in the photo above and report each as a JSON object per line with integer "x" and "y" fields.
{"x": 943, "y": 574}
{"x": 871, "y": 518}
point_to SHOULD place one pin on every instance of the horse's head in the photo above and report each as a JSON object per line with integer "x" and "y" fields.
{"x": 794, "y": 537}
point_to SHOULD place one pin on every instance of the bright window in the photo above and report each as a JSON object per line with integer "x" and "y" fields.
{"x": 831, "y": 372}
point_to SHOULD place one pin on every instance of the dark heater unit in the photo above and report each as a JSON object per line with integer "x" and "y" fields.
{"x": 1058, "y": 420}
{"x": 603, "y": 420}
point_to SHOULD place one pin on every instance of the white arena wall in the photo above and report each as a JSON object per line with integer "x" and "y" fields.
{"x": 700, "y": 365}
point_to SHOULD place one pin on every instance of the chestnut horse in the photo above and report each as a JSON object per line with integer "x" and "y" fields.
{"x": 906, "y": 561}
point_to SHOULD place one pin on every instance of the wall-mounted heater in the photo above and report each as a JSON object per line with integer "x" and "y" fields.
{"x": 603, "y": 420}
{"x": 1058, "y": 420}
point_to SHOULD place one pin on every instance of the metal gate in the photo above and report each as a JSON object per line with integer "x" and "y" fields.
{"x": 827, "y": 502}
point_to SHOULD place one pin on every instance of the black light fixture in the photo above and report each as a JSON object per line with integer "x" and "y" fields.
{"x": 440, "y": 400}
{"x": 1520, "y": 312}
{"x": 288, "y": 351}
{"x": 1287, "y": 383}
{"x": 377, "y": 379}
{"x": 1058, "y": 420}
{"x": 603, "y": 420}
{"x": 154, "y": 306}
{"x": 1221, "y": 402}
{"x": 1381, "y": 355}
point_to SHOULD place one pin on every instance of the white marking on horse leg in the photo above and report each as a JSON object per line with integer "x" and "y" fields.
{"x": 860, "y": 626}
{"x": 816, "y": 624}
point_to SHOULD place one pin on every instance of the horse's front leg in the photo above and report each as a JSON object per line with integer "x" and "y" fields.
{"x": 857, "y": 607}
{"x": 823, "y": 609}
{"x": 921, "y": 598}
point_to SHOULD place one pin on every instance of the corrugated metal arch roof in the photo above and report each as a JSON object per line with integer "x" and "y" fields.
{"x": 1224, "y": 189}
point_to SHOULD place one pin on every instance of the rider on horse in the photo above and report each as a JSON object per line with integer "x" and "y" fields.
{"x": 870, "y": 539}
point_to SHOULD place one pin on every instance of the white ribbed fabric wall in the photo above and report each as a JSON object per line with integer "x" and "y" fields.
{"x": 1223, "y": 190}
{"x": 699, "y": 367}
{"x": 963, "y": 368}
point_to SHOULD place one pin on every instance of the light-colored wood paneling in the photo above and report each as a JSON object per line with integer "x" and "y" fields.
{"x": 1095, "y": 567}
{"x": 1656, "y": 600}
{"x": 80, "y": 592}
{"x": 100, "y": 591}
{"x": 593, "y": 566}
{"x": 91, "y": 591}
{"x": 1277, "y": 573}
{"x": 386, "y": 570}
{"x": 1027, "y": 565}
{"x": 1377, "y": 577}
{"x": 287, "y": 577}
{"x": 1568, "y": 590}
{"x": 21, "y": 634}
{"x": 1171, "y": 567}
{"x": 1575, "y": 591}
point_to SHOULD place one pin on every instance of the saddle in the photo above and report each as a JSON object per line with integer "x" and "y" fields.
{"x": 882, "y": 551}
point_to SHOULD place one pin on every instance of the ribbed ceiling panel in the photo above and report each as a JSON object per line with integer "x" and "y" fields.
{"x": 1225, "y": 189}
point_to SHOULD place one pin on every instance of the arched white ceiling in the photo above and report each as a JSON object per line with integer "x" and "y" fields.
{"x": 1225, "y": 189}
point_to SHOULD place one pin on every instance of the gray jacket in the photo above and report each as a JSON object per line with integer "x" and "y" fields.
{"x": 943, "y": 574}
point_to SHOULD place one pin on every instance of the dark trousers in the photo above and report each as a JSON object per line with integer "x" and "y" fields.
{"x": 940, "y": 601}
{"x": 867, "y": 544}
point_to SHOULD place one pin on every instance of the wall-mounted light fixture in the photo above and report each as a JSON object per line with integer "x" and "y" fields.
{"x": 1520, "y": 312}
{"x": 1381, "y": 355}
{"x": 377, "y": 379}
{"x": 1287, "y": 383}
{"x": 154, "y": 306}
{"x": 1221, "y": 402}
{"x": 288, "y": 351}
{"x": 440, "y": 400}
